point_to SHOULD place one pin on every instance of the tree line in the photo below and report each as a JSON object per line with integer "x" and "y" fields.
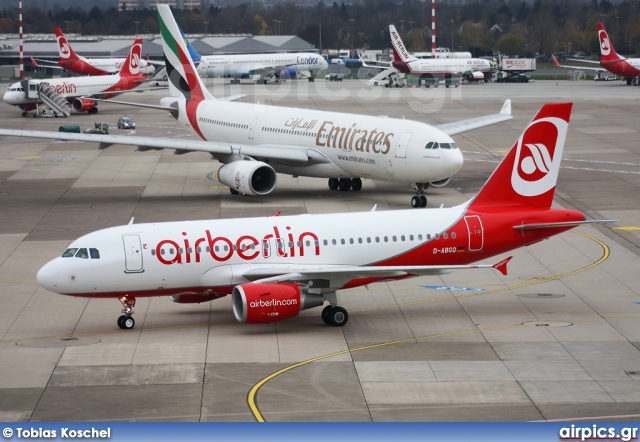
{"x": 479, "y": 26}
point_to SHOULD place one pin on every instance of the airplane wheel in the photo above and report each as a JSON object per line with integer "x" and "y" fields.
{"x": 338, "y": 316}
{"x": 344, "y": 184}
{"x": 356, "y": 184}
{"x": 415, "y": 201}
{"x": 333, "y": 183}
{"x": 423, "y": 201}
{"x": 325, "y": 314}
{"x": 126, "y": 322}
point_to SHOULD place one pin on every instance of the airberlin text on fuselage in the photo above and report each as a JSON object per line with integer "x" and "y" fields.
{"x": 247, "y": 247}
{"x": 64, "y": 88}
{"x": 351, "y": 138}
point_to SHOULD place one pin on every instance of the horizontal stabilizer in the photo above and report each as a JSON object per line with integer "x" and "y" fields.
{"x": 562, "y": 224}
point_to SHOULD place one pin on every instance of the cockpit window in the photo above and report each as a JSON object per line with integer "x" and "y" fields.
{"x": 95, "y": 254}
{"x": 432, "y": 145}
{"x": 69, "y": 253}
{"x": 454, "y": 146}
{"x": 82, "y": 253}
{"x": 445, "y": 145}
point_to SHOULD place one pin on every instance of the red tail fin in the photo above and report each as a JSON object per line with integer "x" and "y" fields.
{"x": 131, "y": 66}
{"x": 607, "y": 52}
{"x": 64, "y": 48}
{"x": 527, "y": 175}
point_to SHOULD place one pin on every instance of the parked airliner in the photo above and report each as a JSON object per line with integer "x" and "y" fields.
{"x": 78, "y": 64}
{"x": 627, "y": 68}
{"x": 274, "y": 267}
{"x": 80, "y": 91}
{"x": 473, "y": 69}
{"x": 254, "y": 141}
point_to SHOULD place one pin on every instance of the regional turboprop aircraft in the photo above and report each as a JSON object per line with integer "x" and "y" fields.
{"x": 256, "y": 141}
{"x": 473, "y": 69}
{"x": 274, "y": 267}
{"x": 627, "y": 68}
{"x": 80, "y": 91}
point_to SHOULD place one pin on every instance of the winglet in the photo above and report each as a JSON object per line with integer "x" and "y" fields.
{"x": 553, "y": 57}
{"x": 506, "y": 107}
{"x": 33, "y": 62}
{"x": 502, "y": 265}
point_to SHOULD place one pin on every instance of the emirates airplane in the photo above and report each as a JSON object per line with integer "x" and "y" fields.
{"x": 274, "y": 267}
{"x": 473, "y": 69}
{"x": 627, "y": 68}
{"x": 80, "y": 91}
{"x": 254, "y": 141}
{"x": 77, "y": 64}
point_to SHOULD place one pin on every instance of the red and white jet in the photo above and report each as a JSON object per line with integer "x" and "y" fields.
{"x": 473, "y": 69}
{"x": 80, "y": 91}
{"x": 78, "y": 64}
{"x": 274, "y": 267}
{"x": 627, "y": 68}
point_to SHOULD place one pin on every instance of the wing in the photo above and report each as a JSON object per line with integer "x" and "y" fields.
{"x": 337, "y": 276}
{"x": 475, "y": 123}
{"x": 382, "y": 65}
{"x": 181, "y": 146}
{"x": 577, "y": 68}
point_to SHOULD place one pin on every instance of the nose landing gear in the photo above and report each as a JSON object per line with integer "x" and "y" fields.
{"x": 126, "y": 321}
{"x": 419, "y": 200}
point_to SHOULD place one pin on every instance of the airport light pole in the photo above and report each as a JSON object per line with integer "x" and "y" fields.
{"x": 452, "y": 50}
{"x": 402, "y": 28}
{"x": 205, "y": 27}
{"x": 352, "y": 20}
{"x": 66, "y": 27}
{"x": 137, "y": 23}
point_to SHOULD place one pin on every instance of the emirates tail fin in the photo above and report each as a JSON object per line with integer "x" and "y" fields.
{"x": 607, "y": 53}
{"x": 527, "y": 176}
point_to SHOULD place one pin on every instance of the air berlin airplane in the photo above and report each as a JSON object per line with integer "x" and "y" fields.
{"x": 274, "y": 267}
{"x": 80, "y": 91}
{"x": 627, "y": 68}
{"x": 75, "y": 63}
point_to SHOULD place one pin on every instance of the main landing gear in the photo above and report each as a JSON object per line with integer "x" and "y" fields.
{"x": 333, "y": 314}
{"x": 345, "y": 184}
{"x": 419, "y": 200}
{"x": 126, "y": 321}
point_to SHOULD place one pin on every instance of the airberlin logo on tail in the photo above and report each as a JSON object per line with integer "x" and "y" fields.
{"x": 538, "y": 156}
{"x": 397, "y": 43}
{"x": 605, "y": 46}
{"x": 64, "y": 47}
{"x": 134, "y": 63}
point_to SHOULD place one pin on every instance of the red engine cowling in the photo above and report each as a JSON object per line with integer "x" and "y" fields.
{"x": 83, "y": 105}
{"x": 264, "y": 303}
{"x": 194, "y": 298}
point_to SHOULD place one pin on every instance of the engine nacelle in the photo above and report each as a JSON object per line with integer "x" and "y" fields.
{"x": 248, "y": 177}
{"x": 289, "y": 73}
{"x": 441, "y": 183}
{"x": 195, "y": 298}
{"x": 83, "y": 104}
{"x": 264, "y": 303}
{"x": 477, "y": 76}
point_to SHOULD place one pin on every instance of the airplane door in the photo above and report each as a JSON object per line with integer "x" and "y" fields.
{"x": 401, "y": 147}
{"x": 476, "y": 233}
{"x": 132, "y": 254}
{"x": 251, "y": 128}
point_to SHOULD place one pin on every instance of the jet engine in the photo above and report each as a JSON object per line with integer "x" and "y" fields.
{"x": 195, "y": 298}
{"x": 477, "y": 76}
{"x": 264, "y": 303}
{"x": 288, "y": 73}
{"x": 84, "y": 105}
{"x": 248, "y": 177}
{"x": 441, "y": 183}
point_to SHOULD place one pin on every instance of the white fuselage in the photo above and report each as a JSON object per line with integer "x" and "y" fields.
{"x": 193, "y": 256}
{"x": 356, "y": 146}
{"x": 448, "y": 66}
{"x": 112, "y": 65}
{"x": 237, "y": 65}
{"x": 69, "y": 88}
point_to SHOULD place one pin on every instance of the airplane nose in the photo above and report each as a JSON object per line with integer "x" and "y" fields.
{"x": 48, "y": 277}
{"x": 457, "y": 160}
